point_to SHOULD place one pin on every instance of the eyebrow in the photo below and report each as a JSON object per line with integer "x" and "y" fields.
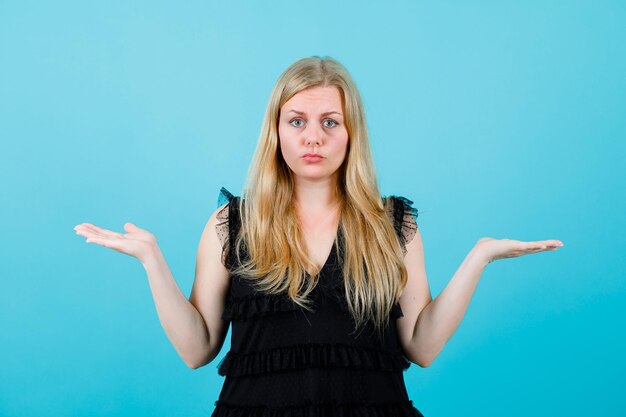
{"x": 323, "y": 114}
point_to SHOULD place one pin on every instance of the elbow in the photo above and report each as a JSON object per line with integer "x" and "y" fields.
{"x": 424, "y": 362}
{"x": 421, "y": 360}
{"x": 199, "y": 361}
{"x": 193, "y": 364}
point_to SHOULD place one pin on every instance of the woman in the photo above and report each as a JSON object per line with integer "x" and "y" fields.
{"x": 322, "y": 278}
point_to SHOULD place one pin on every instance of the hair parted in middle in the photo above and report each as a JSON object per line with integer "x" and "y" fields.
{"x": 374, "y": 274}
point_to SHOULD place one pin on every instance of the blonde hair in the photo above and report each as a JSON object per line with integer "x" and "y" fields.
{"x": 374, "y": 274}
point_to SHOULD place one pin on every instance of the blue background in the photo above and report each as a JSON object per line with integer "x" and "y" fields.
{"x": 501, "y": 119}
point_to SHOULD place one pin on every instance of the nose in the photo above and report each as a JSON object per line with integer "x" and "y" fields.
{"x": 314, "y": 135}
{"x": 311, "y": 141}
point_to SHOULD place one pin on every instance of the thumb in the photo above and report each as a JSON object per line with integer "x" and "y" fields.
{"x": 130, "y": 227}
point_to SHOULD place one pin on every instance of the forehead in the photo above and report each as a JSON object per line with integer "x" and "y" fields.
{"x": 315, "y": 98}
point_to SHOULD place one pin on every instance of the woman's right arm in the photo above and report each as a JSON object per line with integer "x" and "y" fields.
{"x": 193, "y": 326}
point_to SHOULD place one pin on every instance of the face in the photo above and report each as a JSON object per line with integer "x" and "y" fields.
{"x": 312, "y": 122}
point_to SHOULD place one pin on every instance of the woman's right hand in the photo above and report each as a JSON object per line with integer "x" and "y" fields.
{"x": 138, "y": 242}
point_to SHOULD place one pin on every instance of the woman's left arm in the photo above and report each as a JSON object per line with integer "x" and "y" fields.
{"x": 435, "y": 321}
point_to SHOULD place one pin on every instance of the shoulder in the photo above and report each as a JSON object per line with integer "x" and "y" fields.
{"x": 227, "y": 203}
{"x": 399, "y": 206}
{"x": 404, "y": 217}
{"x": 216, "y": 234}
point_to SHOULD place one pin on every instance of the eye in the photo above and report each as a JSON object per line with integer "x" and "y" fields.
{"x": 332, "y": 121}
{"x": 295, "y": 120}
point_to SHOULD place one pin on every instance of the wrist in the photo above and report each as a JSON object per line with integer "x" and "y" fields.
{"x": 478, "y": 256}
{"x": 152, "y": 257}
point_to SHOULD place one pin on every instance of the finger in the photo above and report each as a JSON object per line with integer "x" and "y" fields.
{"x": 103, "y": 241}
{"x": 101, "y": 231}
{"x": 550, "y": 245}
{"x": 546, "y": 244}
{"x": 535, "y": 246}
{"x": 117, "y": 245}
{"x": 551, "y": 242}
{"x": 130, "y": 227}
{"x": 89, "y": 233}
{"x": 543, "y": 246}
{"x": 99, "y": 240}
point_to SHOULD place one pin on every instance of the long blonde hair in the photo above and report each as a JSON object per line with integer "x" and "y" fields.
{"x": 374, "y": 274}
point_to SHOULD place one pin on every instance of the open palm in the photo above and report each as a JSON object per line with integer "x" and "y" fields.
{"x": 494, "y": 249}
{"x": 137, "y": 242}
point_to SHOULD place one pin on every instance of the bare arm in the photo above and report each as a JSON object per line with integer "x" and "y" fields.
{"x": 431, "y": 323}
{"x": 193, "y": 326}
{"x": 441, "y": 317}
{"x": 182, "y": 322}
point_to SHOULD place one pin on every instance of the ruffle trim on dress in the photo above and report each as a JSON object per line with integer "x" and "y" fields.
{"x": 404, "y": 219}
{"x": 224, "y": 197}
{"x": 242, "y": 308}
{"x": 320, "y": 409}
{"x": 222, "y": 226}
{"x": 311, "y": 355}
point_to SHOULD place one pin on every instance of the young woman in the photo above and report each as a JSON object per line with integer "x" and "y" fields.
{"x": 321, "y": 277}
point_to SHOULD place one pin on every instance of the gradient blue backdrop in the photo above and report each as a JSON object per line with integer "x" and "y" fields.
{"x": 502, "y": 119}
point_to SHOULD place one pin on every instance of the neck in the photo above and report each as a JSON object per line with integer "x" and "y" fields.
{"x": 315, "y": 197}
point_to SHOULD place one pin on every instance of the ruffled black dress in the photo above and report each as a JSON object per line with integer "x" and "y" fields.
{"x": 285, "y": 361}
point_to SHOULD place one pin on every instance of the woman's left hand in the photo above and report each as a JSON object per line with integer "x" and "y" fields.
{"x": 493, "y": 249}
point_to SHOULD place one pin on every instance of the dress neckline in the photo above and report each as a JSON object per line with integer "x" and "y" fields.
{"x": 333, "y": 250}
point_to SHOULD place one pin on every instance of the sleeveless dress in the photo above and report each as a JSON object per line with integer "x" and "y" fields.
{"x": 285, "y": 361}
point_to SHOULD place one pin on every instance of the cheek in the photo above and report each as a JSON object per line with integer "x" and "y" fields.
{"x": 338, "y": 151}
{"x": 342, "y": 144}
{"x": 286, "y": 147}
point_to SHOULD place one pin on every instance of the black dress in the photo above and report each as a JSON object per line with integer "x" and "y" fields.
{"x": 285, "y": 361}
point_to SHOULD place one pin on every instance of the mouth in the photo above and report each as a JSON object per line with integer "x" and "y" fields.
{"x": 312, "y": 157}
